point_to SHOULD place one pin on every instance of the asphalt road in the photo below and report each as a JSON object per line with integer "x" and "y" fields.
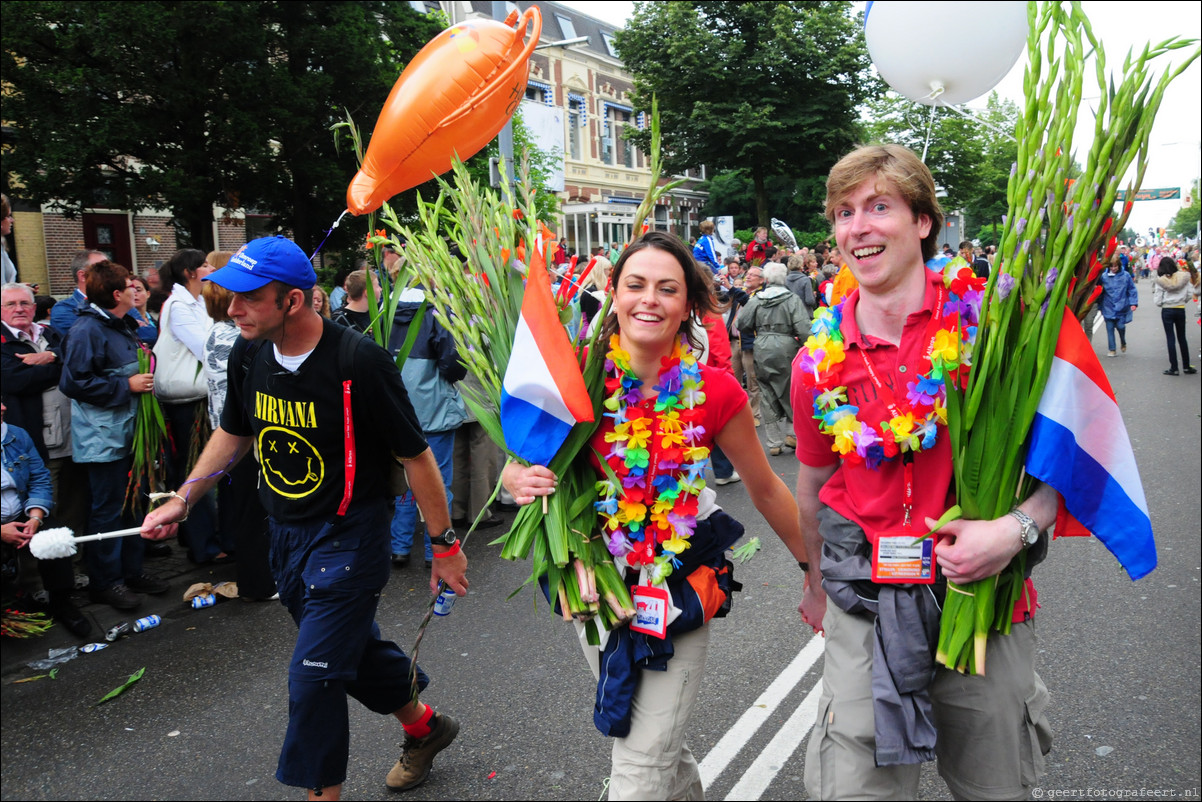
{"x": 1121, "y": 659}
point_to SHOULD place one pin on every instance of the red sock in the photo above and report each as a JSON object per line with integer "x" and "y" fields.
{"x": 421, "y": 727}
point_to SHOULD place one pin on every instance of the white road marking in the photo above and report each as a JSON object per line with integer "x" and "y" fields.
{"x": 745, "y": 728}
{"x": 763, "y": 771}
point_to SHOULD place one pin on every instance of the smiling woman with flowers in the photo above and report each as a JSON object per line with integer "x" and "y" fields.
{"x": 664, "y": 412}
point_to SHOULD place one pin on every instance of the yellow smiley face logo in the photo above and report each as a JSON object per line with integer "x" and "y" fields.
{"x": 292, "y": 467}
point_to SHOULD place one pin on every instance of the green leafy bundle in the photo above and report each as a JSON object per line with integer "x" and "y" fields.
{"x": 149, "y": 466}
{"x": 480, "y": 304}
{"x": 1053, "y": 226}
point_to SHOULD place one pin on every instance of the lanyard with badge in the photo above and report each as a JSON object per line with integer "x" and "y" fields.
{"x": 898, "y": 556}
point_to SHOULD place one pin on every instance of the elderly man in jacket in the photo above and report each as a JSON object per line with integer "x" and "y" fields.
{"x": 31, "y": 364}
{"x": 780, "y": 324}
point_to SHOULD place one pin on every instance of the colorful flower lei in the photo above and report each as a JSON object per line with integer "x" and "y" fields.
{"x": 924, "y": 406}
{"x": 650, "y": 511}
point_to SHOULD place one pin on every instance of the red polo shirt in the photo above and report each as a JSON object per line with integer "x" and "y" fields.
{"x": 873, "y": 498}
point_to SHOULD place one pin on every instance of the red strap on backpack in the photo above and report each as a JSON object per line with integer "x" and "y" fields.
{"x": 348, "y": 447}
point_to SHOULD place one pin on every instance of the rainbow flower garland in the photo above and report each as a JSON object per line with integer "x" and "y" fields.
{"x": 658, "y": 465}
{"x": 925, "y": 404}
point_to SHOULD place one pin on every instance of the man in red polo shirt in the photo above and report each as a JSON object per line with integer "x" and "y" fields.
{"x": 883, "y": 699}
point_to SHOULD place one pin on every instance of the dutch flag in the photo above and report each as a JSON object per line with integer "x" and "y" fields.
{"x": 1079, "y": 446}
{"x": 543, "y": 394}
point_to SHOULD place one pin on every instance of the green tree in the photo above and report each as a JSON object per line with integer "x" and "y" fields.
{"x": 796, "y": 201}
{"x": 1186, "y": 221}
{"x": 952, "y": 145}
{"x": 186, "y": 105}
{"x": 769, "y": 88}
{"x": 987, "y": 205}
{"x": 989, "y": 234}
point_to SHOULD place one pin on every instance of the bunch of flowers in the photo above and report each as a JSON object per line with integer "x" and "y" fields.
{"x": 21, "y": 624}
{"x": 148, "y": 470}
{"x": 480, "y": 304}
{"x": 1053, "y": 226}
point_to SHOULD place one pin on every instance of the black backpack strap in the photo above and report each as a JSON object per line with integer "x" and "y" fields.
{"x": 347, "y": 345}
{"x": 242, "y": 355}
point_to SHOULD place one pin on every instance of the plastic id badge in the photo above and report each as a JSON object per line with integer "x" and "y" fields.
{"x": 651, "y": 606}
{"x": 898, "y": 557}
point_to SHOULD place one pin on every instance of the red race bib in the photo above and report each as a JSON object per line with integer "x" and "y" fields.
{"x": 651, "y": 607}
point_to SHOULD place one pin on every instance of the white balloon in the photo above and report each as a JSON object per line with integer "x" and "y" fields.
{"x": 944, "y": 53}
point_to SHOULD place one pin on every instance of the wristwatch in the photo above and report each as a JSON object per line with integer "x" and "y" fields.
{"x": 1029, "y": 531}
{"x": 447, "y": 538}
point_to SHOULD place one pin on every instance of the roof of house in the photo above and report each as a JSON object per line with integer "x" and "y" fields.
{"x": 554, "y": 29}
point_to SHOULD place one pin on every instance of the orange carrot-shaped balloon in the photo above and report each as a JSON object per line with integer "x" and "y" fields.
{"x": 451, "y": 100}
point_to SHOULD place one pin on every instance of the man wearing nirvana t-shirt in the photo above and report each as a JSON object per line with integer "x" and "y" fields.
{"x": 325, "y": 488}
{"x": 883, "y": 698}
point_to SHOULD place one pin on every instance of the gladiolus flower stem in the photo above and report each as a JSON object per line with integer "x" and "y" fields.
{"x": 1051, "y": 232}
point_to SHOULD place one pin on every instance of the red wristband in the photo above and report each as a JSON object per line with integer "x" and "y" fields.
{"x": 451, "y": 552}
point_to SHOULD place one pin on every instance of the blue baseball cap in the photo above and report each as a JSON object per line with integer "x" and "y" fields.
{"x": 264, "y": 260}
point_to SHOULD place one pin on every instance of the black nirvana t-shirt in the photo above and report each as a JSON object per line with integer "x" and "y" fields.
{"x": 297, "y": 422}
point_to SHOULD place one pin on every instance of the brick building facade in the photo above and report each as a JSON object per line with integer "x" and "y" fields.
{"x": 44, "y": 242}
{"x": 604, "y": 176}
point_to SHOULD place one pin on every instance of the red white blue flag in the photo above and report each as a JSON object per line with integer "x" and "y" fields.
{"x": 1079, "y": 446}
{"x": 543, "y": 393}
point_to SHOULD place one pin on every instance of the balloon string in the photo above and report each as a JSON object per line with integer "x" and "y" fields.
{"x": 972, "y": 116}
{"x": 968, "y": 113}
{"x": 345, "y": 212}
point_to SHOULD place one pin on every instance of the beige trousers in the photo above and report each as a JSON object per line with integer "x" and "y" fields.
{"x": 653, "y": 761}
{"x": 992, "y": 730}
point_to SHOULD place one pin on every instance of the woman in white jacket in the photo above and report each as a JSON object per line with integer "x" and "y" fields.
{"x": 184, "y": 326}
{"x": 1171, "y": 290}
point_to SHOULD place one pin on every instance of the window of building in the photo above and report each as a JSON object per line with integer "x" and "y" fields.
{"x": 540, "y": 92}
{"x": 566, "y": 26}
{"x": 573, "y": 132}
{"x": 609, "y": 44}
{"x": 418, "y": 5}
{"x": 259, "y": 225}
{"x": 615, "y": 148}
{"x": 577, "y": 120}
{"x": 625, "y": 146}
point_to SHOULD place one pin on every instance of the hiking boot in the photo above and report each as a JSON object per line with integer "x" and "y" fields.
{"x": 66, "y": 613}
{"x": 118, "y": 597}
{"x": 145, "y": 583}
{"x": 417, "y": 754}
